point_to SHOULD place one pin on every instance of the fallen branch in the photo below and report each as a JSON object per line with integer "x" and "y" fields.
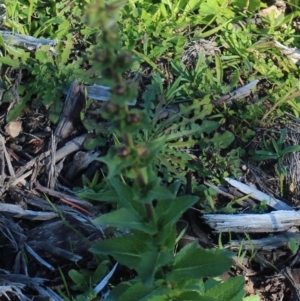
{"x": 266, "y": 243}
{"x": 259, "y": 195}
{"x": 25, "y": 41}
{"x": 276, "y": 221}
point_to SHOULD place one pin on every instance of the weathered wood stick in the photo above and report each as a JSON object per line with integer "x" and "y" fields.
{"x": 259, "y": 195}
{"x": 25, "y": 41}
{"x": 276, "y": 221}
{"x": 266, "y": 243}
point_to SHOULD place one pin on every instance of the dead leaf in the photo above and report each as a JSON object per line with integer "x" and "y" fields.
{"x": 268, "y": 11}
{"x": 13, "y": 128}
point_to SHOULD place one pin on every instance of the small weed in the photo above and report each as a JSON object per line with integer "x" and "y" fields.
{"x": 261, "y": 207}
{"x": 293, "y": 245}
{"x": 275, "y": 150}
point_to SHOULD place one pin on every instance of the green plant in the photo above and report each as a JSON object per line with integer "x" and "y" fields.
{"x": 186, "y": 127}
{"x": 229, "y": 207}
{"x": 48, "y": 71}
{"x": 275, "y": 150}
{"x": 147, "y": 210}
{"x": 294, "y": 4}
{"x": 216, "y": 166}
{"x": 261, "y": 207}
{"x": 84, "y": 281}
{"x": 294, "y": 245}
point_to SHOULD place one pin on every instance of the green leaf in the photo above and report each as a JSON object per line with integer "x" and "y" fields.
{"x": 146, "y": 59}
{"x": 192, "y": 246}
{"x": 155, "y": 146}
{"x": 41, "y": 56}
{"x": 232, "y": 289}
{"x": 210, "y": 32}
{"x": 118, "y": 291}
{"x": 126, "y": 196}
{"x": 290, "y": 149}
{"x": 261, "y": 155}
{"x": 219, "y": 69}
{"x": 62, "y": 31}
{"x": 192, "y": 296}
{"x": 125, "y": 219}
{"x": 175, "y": 209}
{"x": 103, "y": 196}
{"x": 153, "y": 191}
{"x": 207, "y": 126}
{"x": 191, "y": 6}
{"x": 205, "y": 263}
{"x": 17, "y": 52}
{"x": 276, "y": 146}
{"x": 246, "y": 4}
{"x": 211, "y": 282}
{"x": 9, "y": 61}
{"x": 16, "y": 111}
{"x": 293, "y": 245}
{"x": 151, "y": 262}
{"x": 127, "y": 250}
{"x": 139, "y": 292}
{"x": 209, "y": 8}
{"x": 282, "y": 136}
{"x": 101, "y": 271}
{"x": 190, "y": 143}
{"x": 223, "y": 140}
{"x": 202, "y": 108}
{"x": 54, "y": 111}
{"x": 167, "y": 237}
{"x": 93, "y": 143}
{"x": 124, "y": 192}
{"x": 174, "y": 187}
{"x": 78, "y": 279}
{"x": 252, "y": 298}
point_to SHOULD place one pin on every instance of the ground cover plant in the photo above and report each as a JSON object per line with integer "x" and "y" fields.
{"x": 183, "y": 62}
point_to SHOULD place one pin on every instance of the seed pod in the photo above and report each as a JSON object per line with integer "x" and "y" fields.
{"x": 123, "y": 151}
{"x": 99, "y": 56}
{"x": 111, "y": 107}
{"x": 142, "y": 151}
{"x": 133, "y": 118}
{"x": 124, "y": 60}
{"x": 119, "y": 90}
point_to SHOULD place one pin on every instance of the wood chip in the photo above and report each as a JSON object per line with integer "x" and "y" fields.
{"x": 13, "y": 128}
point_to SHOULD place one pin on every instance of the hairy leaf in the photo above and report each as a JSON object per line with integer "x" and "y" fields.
{"x": 175, "y": 210}
{"x": 138, "y": 292}
{"x": 232, "y": 289}
{"x": 192, "y": 262}
{"x": 124, "y": 219}
{"x": 152, "y": 261}
{"x": 127, "y": 250}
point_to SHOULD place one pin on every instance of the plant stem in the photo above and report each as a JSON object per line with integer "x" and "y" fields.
{"x": 148, "y": 206}
{"x": 150, "y": 212}
{"x": 128, "y": 140}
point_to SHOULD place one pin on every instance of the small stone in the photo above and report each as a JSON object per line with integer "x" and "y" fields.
{"x": 244, "y": 167}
